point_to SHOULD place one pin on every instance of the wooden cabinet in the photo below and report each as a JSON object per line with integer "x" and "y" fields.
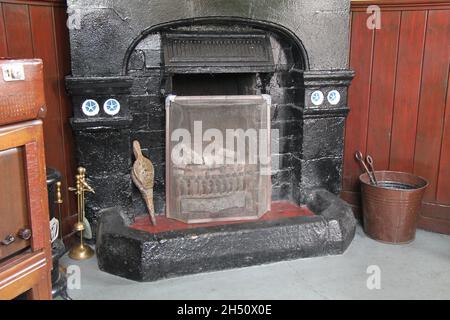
{"x": 25, "y": 250}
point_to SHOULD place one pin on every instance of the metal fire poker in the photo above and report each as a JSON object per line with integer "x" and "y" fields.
{"x": 360, "y": 158}
{"x": 81, "y": 251}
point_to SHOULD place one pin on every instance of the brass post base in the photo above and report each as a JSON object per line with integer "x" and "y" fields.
{"x": 81, "y": 252}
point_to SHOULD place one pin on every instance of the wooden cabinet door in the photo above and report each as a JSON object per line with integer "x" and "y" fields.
{"x": 13, "y": 201}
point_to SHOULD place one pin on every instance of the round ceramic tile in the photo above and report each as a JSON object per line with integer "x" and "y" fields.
{"x": 334, "y": 97}
{"x": 90, "y": 108}
{"x": 111, "y": 107}
{"x": 317, "y": 98}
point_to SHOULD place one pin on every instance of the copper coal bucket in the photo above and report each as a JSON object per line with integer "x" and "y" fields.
{"x": 391, "y": 208}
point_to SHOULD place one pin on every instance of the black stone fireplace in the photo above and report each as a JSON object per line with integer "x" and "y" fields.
{"x": 129, "y": 58}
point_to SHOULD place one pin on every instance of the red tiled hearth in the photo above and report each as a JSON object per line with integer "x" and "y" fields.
{"x": 280, "y": 210}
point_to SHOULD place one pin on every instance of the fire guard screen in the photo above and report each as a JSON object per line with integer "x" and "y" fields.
{"x": 218, "y": 161}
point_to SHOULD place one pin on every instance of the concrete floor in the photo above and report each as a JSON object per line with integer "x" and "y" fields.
{"x": 420, "y": 270}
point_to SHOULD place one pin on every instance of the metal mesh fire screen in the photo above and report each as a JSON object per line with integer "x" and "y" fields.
{"x": 218, "y": 161}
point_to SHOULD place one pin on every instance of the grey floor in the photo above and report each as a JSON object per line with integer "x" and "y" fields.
{"x": 420, "y": 270}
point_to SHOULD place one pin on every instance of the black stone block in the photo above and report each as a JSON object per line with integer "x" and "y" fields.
{"x": 288, "y": 79}
{"x": 150, "y": 139}
{"x": 288, "y": 128}
{"x": 148, "y": 85}
{"x": 282, "y": 161}
{"x": 153, "y": 58}
{"x": 323, "y": 138}
{"x": 160, "y": 181}
{"x": 110, "y": 191}
{"x": 287, "y": 144}
{"x": 104, "y": 152}
{"x": 293, "y": 95}
{"x": 296, "y": 179}
{"x": 281, "y": 177}
{"x": 137, "y": 206}
{"x": 137, "y": 60}
{"x": 285, "y": 112}
{"x": 282, "y": 192}
{"x": 160, "y": 172}
{"x": 140, "y": 121}
{"x": 323, "y": 173}
{"x": 152, "y": 105}
{"x": 159, "y": 200}
{"x": 157, "y": 123}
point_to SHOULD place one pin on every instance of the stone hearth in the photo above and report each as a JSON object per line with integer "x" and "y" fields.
{"x": 144, "y": 256}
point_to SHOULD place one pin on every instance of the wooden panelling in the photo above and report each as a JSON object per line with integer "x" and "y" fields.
{"x": 407, "y": 90}
{"x": 385, "y": 53}
{"x": 18, "y": 30}
{"x": 3, "y": 45}
{"x": 64, "y": 68}
{"x": 443, "y": 191}
{"x": 404, "y": 74}
{"x": 37, "y": 29}
{"x": 400, "y": 5}
{"x": 432, "y": 101}
{"x": 361, "y": 57}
